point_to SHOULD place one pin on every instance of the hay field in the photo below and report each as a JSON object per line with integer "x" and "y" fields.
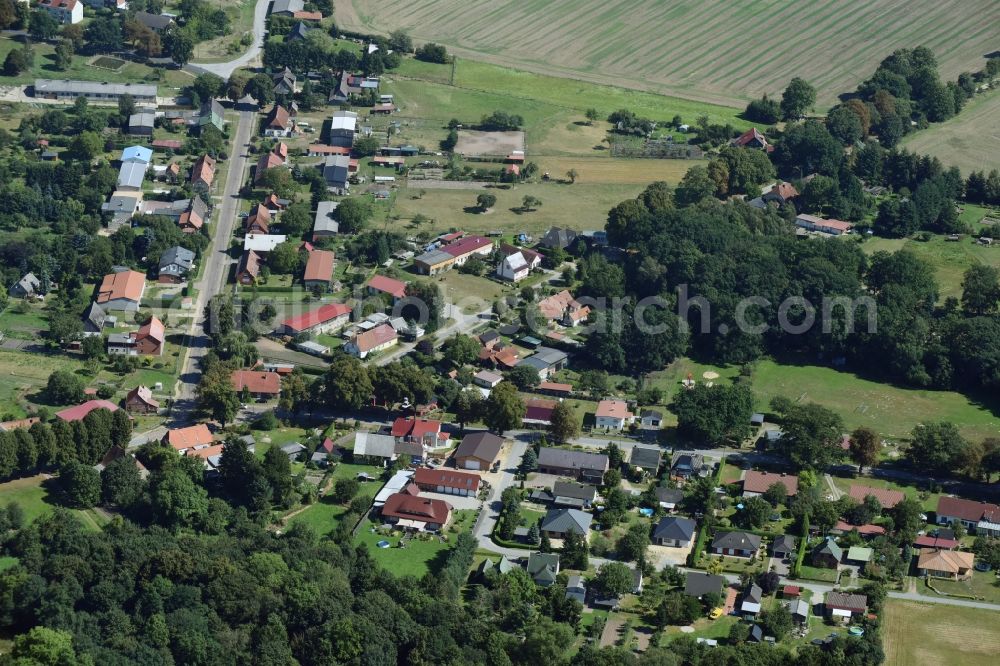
{"x": 970, "y": 140}
{"x": 916, "y": 633}
{"x": 710, "y": 50}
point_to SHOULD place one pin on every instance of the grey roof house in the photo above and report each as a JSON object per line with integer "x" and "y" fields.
{"x": 336, "y": 172}
{"x": 736, "y": 544}
{"x": 559, "y": 522}
{"x": 141, "y": 123}
{"x": 646, "y": 458}
{"x": 575, "y": 589}
{"x": 546, "y": 361}
{"x": 784, "y": 546}
{"x": 698, "y": 584}
{"x": 558, "y": 237}
{"x": 212, "y": 113}
{"x": 685, "y": 465}
{"x": 577, "y": 464}
{"x": 175, "y": 262}
{"x": 674, "y": 531}
{"x": 543, "y": 568}
{"x": 668, "y": 498}
{"x": 25, "y": 287}
{"x": 323, "y": 224}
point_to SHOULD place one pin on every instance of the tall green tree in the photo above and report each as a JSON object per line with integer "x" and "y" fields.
{"x": 346, "y": 384}
{"x": 121, "y": 483}
{"x": 563, "y": 424}
{"x": 81, "y": 484}
{"x": 504, "y": 408}
{"x": 797, "y": 98}
{"x": 811, "y": 434}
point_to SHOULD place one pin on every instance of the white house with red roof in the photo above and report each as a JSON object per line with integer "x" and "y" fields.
{"x": 64, "y": 11}
{"x": 377, "y": 339}
{"x": 380, "y": 284}
{"x": 425, "y": 431}
{"x": 613, "y": 414}
{"x": 979, "y": 517}
{"x": 323, "y": 319}
{"x": 409, "y": 511}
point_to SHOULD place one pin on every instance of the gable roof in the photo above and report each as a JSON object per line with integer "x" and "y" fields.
{"x": 190, "y": 437}
{"x": 372, "y": 444}
{"x": 674, "y": 527}
{"x": 558, "y": 237}
{"x": 126, "y": 285}
{"x": 79, "y": 411}
{"x": 131, "y": 174}
{"x": 483, "y": 445}
{"x": 856, "y": 603}
{"x": 151, "y": 329}
{"x": 204, "y": 170}
{"x": 887, "y": 497}
{"x": 466, "y": 245}
{"x": 537, "y": 409}
{"x": 863, "y": 530}
{"x": 177, "y": 255}
{"x": 783, "y": 542}
{"x": 447, "y": 478}
{"x": 543, "y": 567}
{"x": 830, "y": 547}
{"x": 967, "y": 510}
{"x": 759, "y": 482}
{"x": 319, "y": 266}
{"x": 376, "y": 337}
{"x": 557, "y": 304}
{"x": 137, "y": 154}
{"x": 565, "y": 520}
{"x": 416, "y": 428}
{"x": 154, "y": 21}
{"x": 320, "y": 315}
{"x": 249, "y": 263}
{"x": 388, "y": 285}
{"x": 278, "y": 118}
{"x": 736, "y": 540}
{"x": 552, "y": 457}
{"x": 572, "y": 490}
{"x": 645, "y": 456}
{"x": 142, "y": 394}
{"x": 257, "y": 382}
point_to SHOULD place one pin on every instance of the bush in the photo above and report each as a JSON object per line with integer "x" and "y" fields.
{"x": 266, "y": 421}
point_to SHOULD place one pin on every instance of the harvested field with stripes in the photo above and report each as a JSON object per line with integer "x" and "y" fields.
{"x": 709, "y": 50}
{"x": 916, "y": 633}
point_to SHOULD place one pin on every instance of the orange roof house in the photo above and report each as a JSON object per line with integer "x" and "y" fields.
{"x": 121, "y": 291}
{"x": 319, "y": 269}
{"x": 259, "y": 220}
{"x": 259, "y": 384}
{"x": 562, "y": 306}
{"x": 757, "y": 483}
{"x": 192, "y": 437}
{"x": 387, "y": 285}
{"x": 150, "y": 337}
{"x": 203, "y": 171}
{"x": 953, "y": 564}
{"x": 887, "y": 497}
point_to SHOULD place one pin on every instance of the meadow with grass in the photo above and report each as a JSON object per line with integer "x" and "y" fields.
{"x": 916, "y": 633}
{"x": 969, "y": 141}
{"x": 711, "y": 50}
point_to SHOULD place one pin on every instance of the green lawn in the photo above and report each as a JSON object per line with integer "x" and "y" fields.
{"x": 6, "y": 562}
{"x": 324, "y": 515}
{"x": 168, "y": 80}
{"x": 927, "y": 500}
{"x": 37, "y": 501}
{"x": 949, "y": 259}
{"x": 892, "y": 411}
{"x": 414, "y": 559}
{"x": 706, "y": 628}
{"x": 25, "y": 374}
{"x": 818, "y": 573}
{"x": 983, "y": 585}
{"x": 18, "y": 324}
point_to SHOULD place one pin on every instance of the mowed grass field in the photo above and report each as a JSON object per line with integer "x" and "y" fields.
{"x": 892, "y": 411}
{"x": 970, "y": 140}
{"x": 581, "y": 206}
{"x": 949, "y": 259}
{"x": 708, "y": 50}
{"x": 915, "y": 633}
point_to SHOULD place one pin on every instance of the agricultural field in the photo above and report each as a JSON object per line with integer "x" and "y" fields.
{"x": 711, "y": 51}
{"x": 969, "y": 140}
{"x": 915, "y": 633}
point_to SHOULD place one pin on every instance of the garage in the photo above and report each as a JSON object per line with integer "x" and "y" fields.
{"x": 471, "y": 463}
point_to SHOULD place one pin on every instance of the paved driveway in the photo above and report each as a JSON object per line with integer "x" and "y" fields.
{"x": 661, "y": 556}
{"x": 457, "y": 501}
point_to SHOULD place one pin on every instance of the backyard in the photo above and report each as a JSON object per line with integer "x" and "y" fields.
{"x": 983, "y": 585}
{"x": 34, "y": 496}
